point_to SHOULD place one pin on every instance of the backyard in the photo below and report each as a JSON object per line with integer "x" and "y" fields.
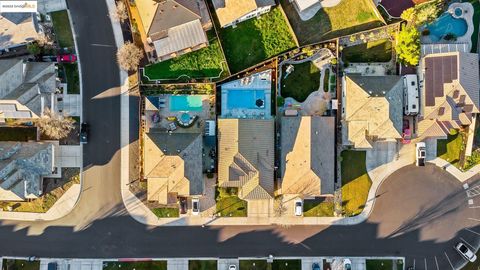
{"x": 256, "y": 40}
{"x": 202, "y": 265}
{"x": 333, "y": 22}
{"x": 476, "y": 22}
{"x": 355, "y": 182}
{"x": 318, "y": 208}
{"x": 207, "y": 62}
{"x": 228, "y": 203}
{"x": 146, "y": 265}
{"x": 10, "y": 264}
{"x": 61, "y": 26}
{"x": 372, "y": 51}
{"x": 166, "y": 212}
{"x": 304, "y": 80}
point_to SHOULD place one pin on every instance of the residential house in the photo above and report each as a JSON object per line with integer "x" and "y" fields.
{"x": 246, "y": 157}
{"x": 449, "y": 91}
{"x": 26, "y": 89}
{"x": 307, "y": 151}
{"x": 18, "y": 29}
{"x": 23, "y": 166}
{"x": 232, "y": 12}
{"x": 372, "y": 109}
{"x": 173, "y": 27}
{"x": 303, "y": 5}
{"x": 173, "y": 166}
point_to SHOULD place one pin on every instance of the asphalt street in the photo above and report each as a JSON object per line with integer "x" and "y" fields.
{"x": 420, "y": 213}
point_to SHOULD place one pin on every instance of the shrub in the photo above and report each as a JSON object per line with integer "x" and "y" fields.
{"x": 453, "y": 132}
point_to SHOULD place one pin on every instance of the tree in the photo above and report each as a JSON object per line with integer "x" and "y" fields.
{"x": 120, "y": 14}
{"x": 129, "y": 56}
{"x": 53, "y": 125}
{"x": 34, "y": 48}
{"x": 408, "y": 45}
{"x": 408, "y": 15}
{"x": 423, "y": 13}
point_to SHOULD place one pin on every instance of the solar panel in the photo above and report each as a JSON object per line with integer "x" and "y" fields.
{"x": 438, "y": 71}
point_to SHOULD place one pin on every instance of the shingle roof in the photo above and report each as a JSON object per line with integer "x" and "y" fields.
{"x": 229, "y": 11}
{"x": 17, "y": 29}
{"x": 169, "y": 14}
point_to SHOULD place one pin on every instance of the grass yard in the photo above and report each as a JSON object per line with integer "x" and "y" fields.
{"x": 166, "y": 212}
{"x": 207, "y": 62}
{"x": 317, "y": 208}
{"x": 355, "y": 182}
{"x": 253, "y": 265}
{"x": 287, "y": 265}
{"x": 72, "y": 77}
{"x": 450, "y": 148}
{"x": 61, "y": 26}
{"x": 379, "y": 264}
{"x": 10, "y": 264}
{"x": 147, "y": 265}
{"x": 375, "y": 51}
{"x": 301, "y": 82}
{"x": 18, "y": 133}
{"x": 256, "y": 40}
{"x": 54, "y": 189}
{"x": 333, "y": 22}
{"x": 202, "y": 265}
{"x": 231, "y": 206}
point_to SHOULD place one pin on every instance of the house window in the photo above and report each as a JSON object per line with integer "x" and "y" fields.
{"x": 414, "y": 106}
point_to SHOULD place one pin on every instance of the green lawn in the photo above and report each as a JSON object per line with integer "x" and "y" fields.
{"x": 379, "y": 264}
{"x": 317, "y": 208}
{"x": 61, "y": 26}
{"x": 204, "y": 63}
{"x": 231, "y": 206}
{"x": 355, "y": 182}
{"x": 147, "y": 265}
{"x": 256, "y": 40}
{"x": 375, "y": 51}
{"x": 287, "y": 265}
{"x": 10, "y": 264}
{"x": 18, "y": 133}
{"x": 165, "y": 212}
{"x": 72, "y": 77}
{"x": 301, "y": 82}
{"x": 450, "y": 148}
{"x": 253, "y": 265}
{"x": 350, "y": 16}
{"x": 202, "y": 265}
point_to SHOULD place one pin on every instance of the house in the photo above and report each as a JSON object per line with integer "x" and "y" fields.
{"x": 26, "y": 89}
{"x": 372, "y": 109}
{"x": 303, "y": 5}
{"x": 232, "y": 12}
{"x": 307, "y": 149}
{"x": 246, "y": 157}
{"x": 18, "y": 29}
{"x": 173, "y": 27}
{"x": 173, "y": 166}
{"x": 449, "y": 91}
{"x": 23, "y": 165}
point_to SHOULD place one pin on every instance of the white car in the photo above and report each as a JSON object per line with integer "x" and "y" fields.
{"x": 347, "y": 264}
{"x": 298, "y": 207}
{"x": 465, "y": 252}
{"x": 195, "y": 206}
{"x": 421, "y": 153}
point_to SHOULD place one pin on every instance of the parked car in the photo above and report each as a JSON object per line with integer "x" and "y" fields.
{"x": 195, "y": 206}
{"x": 315, "y": 266}
{"x": 84, "y": 130}
{"x": 32, "y": 258}
{"x": 232, "y": 267}
{"x": 67, "y": 58}
{"x": 465, "y": 252}
{"x": 52, "y": 266}
{"x": 421, "y": 152}
{"x": 298, "y": 207}
{"x": 347, "y": 264}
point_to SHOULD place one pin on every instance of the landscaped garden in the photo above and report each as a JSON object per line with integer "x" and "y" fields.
{"x": 355, "y": 182}
{"x": 228, "y": 204}
{"x": 61, "y": 26}
{"x": 256, "y": 40}
{"x": 146, "y": 265}
{"x": 207, "y": 62}
{"x": 332, "y": 22}
{"x": 166, "y": 212}
{"x": 476, "y": 22}
{"x": 11, "y": 264}
{"x": 372, "y": 51}
{"x": 202, "y": 265}
{"x": 318, "y": 208}
{"x": 304, "y": 80}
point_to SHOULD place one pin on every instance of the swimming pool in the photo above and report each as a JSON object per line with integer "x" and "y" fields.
{"x": 246, "y": 99}
{"x": 185, "y": 103}
{"x": 447, "y": 24}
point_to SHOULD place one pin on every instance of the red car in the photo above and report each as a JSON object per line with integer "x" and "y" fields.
{"x": 67, "y": 58}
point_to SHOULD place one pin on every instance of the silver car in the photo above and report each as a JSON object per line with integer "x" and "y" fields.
{"x": 465, "y": 252}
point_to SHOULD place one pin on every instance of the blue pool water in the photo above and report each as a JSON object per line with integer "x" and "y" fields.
{"x": 244, "y": 98}
{"x": 447, "y": 24}
{"x": 186, "y": 103}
